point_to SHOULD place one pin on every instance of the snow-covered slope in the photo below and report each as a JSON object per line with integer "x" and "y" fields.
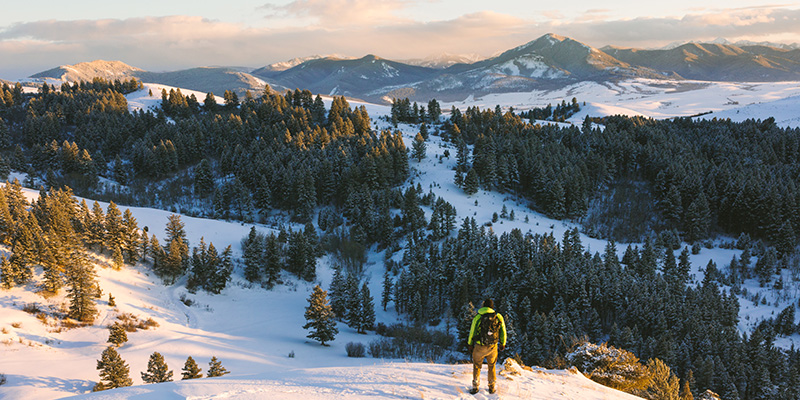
{"x": 143, "y": 100}
{"x": 379, "y": 380}
{"x": 251, "y": 330}
{"x": 657, "y": 99}
{"x": 785, "y": 111}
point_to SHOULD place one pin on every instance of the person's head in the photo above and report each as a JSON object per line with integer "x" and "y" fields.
{"x": 488, "y": 303}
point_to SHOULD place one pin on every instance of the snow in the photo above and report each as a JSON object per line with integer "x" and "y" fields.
{"x": 659, "y": 99}
{"x": 531, "y": 63}
{"x": 252, "y": 330}
{"x": 141, "y": 99}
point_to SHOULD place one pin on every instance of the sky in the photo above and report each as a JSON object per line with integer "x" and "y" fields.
{"x": 160, "y": 35}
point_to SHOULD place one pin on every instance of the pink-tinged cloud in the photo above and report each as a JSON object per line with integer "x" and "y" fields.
{"x": 343, "y": 13}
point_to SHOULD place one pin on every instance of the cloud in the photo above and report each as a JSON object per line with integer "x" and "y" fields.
{"x": 342, "y": 13}
{"x": 174, "y": 42}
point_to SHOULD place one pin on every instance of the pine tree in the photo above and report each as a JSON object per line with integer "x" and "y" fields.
{"x": 320, "y": 317}
{"x": 464, "y": 323}
{"x": 117, "y": 335}
{"x": 82, "y": 283}
{"x": 8, "y": 273}
{"x": 253, "y": 254}
{"x": 115, "y": 232}
{"x": 471, "y": 182}
{"x": 203, "y": 180}
{"x": 338, "y": 293}
{"x": 686, "y": 387}
{"x": 367, "y": 310}
{"x": 215, "y": 368}
{"x": 387, "y": 289}
{"x": 418, "y": 148}
{"x": 191, "y": 370}
{"x": 114, "y": 372}
{"x": 157, "y": 370}
{"x": 130, "y": 235}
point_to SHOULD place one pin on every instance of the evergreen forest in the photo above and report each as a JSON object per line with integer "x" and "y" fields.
{"x": 279, "y": 157}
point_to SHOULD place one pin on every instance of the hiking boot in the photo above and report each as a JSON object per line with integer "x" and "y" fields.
{"x": 492, "y": 390}
{"x": 473, "y": 390}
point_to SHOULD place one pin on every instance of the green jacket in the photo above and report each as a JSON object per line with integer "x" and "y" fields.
{"x": 477, "y": 320}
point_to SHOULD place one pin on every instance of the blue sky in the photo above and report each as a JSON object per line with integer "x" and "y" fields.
{"x": 172, "y": 34}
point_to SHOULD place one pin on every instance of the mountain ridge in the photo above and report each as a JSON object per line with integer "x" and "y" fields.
{"x": 548, "y": 62}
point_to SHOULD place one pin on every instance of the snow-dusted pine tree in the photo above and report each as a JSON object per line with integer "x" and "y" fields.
{"x": 191, "y": 370}
{"x": 117, "y": 335}
{"x": 114, "y": 372}
{"x": 319, "y": 315}
{"x": 215, "y": 368}
{"x": 157, "y": 370}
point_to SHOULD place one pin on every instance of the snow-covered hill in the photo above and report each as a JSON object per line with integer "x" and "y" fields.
{"x": 253, "y": 331}
{"x": 659, "y": 99}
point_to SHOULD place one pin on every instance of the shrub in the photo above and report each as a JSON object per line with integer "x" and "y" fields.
{"x": 132, "y": 323}
{"x": 356, "y": 350}
{"x": 414, "y": 343}
{"x": 31, "y": 308}
{"x": 609, "y": 366}
{"x": 2, "y": 379}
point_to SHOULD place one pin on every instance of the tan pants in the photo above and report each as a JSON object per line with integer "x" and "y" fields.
{"x": 478, "y": 354}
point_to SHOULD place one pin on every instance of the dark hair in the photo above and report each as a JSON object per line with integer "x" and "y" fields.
{"x": 488, "y": 303}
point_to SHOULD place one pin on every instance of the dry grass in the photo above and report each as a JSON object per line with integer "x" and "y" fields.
{"x": 16, "y": 324}
{"x": 31, "y": 308}
{"x": 132, "y": 323}
{"x": 69, "y": 323}
{"x": 4, "y": 330}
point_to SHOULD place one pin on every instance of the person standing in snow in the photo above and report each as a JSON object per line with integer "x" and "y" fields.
{"x": 487, "y": 335}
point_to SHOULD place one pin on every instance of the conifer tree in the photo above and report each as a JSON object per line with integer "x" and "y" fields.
{"x": 387, "y": 289}
{"x": 82, "y": 284}
{"x": 464, "y": 324}
{"x": 367, "y": 310}
{"x": 157, "y": 370}
{"x": 8, "y": 273}
{"x": 191, "y": 370}
{"x": 117, "y": 335}
{"x": 686, "y": 389}
{"x": 203, "y": 180}
{"x": 131, "y": 238}
{"x": 215, "y": 368}
{"x": 252, "y": 254}
{"x": 418, "y": 148}
{"x": 338, "y": 294}
{"x": 115, "y": 231}
{"x": 321, "y": 325}
{"x": 114, "y": 372}
{"x": 471, "y": 182}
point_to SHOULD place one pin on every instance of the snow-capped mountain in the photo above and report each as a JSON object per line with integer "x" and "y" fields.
{"x": 444, "y": 60}
{"x": 355, "y": 78}
{"x": 549, "y": 62}
{"x": 202, "y": 79}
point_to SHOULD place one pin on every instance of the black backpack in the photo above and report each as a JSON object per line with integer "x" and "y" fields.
{"x": 489, "y": 329}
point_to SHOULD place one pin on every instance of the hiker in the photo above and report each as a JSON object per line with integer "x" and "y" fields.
{"x": 487, "y": 335}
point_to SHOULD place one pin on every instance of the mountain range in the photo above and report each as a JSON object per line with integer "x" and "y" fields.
{"x": 549, "y": 62}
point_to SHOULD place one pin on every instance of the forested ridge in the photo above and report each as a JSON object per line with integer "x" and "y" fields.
{"x": 696, "y": 177}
